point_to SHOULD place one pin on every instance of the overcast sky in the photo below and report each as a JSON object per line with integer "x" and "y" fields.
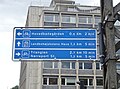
{"x": 13, "y": 13}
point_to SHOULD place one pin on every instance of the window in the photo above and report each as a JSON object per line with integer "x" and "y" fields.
{"x": 63, "y": 81}
{"x": 98, "y": 66}
{"x": 87, "y": 65}
{"x": 48, "y": 18}
{"x": 51, "y": 18}
{"x": 99, "y": 82}
{"x": 80, "y": 66}
{"x": 56, "y": 18}
{"x": 90, "y": 81}
{"x": 50, "y": 64}
{"x": 97, "y": 19}
{"x": 50, "y": 81}
{"x": 45, "y": 81}
{"x": 87, "y": 81}
{"x": 68, "y": 65}
{"x": 82, "y": 19}
{"x": 73, "y": 65}
{"x": 55, "y": 64}
{"x": 68, "y": 19}
{"x": 85, "y": 19}
{"x": 89, "y": 19}
{"x": 65, "y": 64}
{"x": 68, "y": 81}
{"x": 53, "y": 81}
{"x": 118, "y": 66}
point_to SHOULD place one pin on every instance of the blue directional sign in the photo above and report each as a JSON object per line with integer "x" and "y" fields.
{"x": 55, "y": 54}
{"x": 56, "y": 33}
{"x": 54, "y": 44}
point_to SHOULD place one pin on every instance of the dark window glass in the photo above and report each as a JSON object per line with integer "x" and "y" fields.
{"x": 45, "y": 81}
{"x": 73, "y": 65}
{"x": 99, "y": 82}
{"x": 63, "y": 81}
{"x": 70, "y": 83}
{"x": 85, "y": 81}
{"x": 80, "y": 66}
{"x": 90, "y": 81}
{"x": 52, "y": 81}
{"x": 97, "y": 65}
{"x": 87, "y": 65}
{"x": 65, "y": 64}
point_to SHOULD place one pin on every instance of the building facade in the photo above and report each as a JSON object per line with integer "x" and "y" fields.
{"x": 62, "y": 74}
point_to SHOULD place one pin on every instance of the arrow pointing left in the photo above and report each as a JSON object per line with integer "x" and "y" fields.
{"x": 19, "y": 33}
{"x": 18, "y": 54}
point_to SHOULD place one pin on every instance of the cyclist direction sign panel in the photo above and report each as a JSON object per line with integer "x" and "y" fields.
{"x": 54, "y": 44}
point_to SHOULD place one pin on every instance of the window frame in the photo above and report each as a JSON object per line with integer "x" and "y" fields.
{"x": 70, "y": 17}
{"x": 88, "y": 68}
{"x": 100, "y": 68}
{"x": 70, "y": 65}
{"x": 53, "y": 19}
{"x": 96, "y": 19}
{"x": 86, "y": 18}
{"x": 83, "y": 66}
{"x": 118, "y": 66}
{"x": 66, "y": 81}
{"x": 88, "y": 81}
{"x": 53, "y": 65}
{"x": 97, "y": 82}
{"x": 48, "y": 80}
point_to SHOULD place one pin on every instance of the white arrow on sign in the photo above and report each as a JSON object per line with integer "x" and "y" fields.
{"x": 18, "y": 43}
{"x": 18, "y": 54}
{"x": 19, "y": 33}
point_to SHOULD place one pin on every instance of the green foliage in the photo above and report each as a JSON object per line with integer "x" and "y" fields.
{"x": 16, "y": 87}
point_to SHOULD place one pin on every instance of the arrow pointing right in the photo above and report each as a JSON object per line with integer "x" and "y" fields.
{"x": 18, "y": 54}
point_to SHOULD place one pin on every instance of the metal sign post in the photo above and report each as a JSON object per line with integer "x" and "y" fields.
{"x": 109, "y": 15}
